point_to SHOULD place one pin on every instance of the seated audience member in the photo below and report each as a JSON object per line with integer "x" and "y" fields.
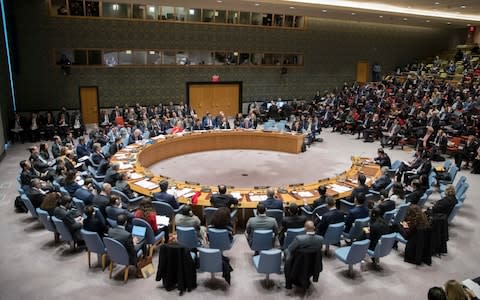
{"x": 322, "y": 191}
{"x": 272, "y": 202}
{"x": 37, "y": 161}
{"x": 467, "y": 152}
{"x": 112, "y": 174}
{"x": 309, "y": 240}
{"x": 362, "y": 188}
{"x": 28, "y": 173}
{"x": 116, "y": 146}
{"x": 178, "y": 128}
{"x": 135, "y": 137}
{"x": 163, "y": 196}
{"x": 292, "y": 220}
{"x": 82, "y": 149}
{"x": 410, "y": 165}
{"x": 35, "y": 193}
{"x": 416, "y": 194}
{"x": 385, "y": 203}
{"x": 397, "y": 194}
{"x": 120, "y": 234}
{"x": 122, "y": 185}
{"x": 383, "y": 181}
{"x": 222, "y": 199}
{"x": 260, "y": 222}
{"x": 332, "y": 216}
{"x": 56, "y": 146}
{"x": 43, "y": 151}
{"x": 423, "y": 169}
{"x": 104, "y": 166}
{"x": 445, "y": 205}
{"x": 116, "y": 208}
{"x": 69, "y": 217}
{"x": 382, "y": 159}
{"x": 102, "y": 200}
{"x": 86, "y": 193}
{"x": 70, "y": 183}
{"x": 378, "y": 227}
{"x": 50, "y": 202}
{"x": 358, "y": 212}
{"x": 97, "y": 155}
{"x": 436, "y": 293}
{"x": 389, "y": 137}
{"x": 186, "y": 218}
{"x": 221, "y": 220}
{"x": 454, "y": 290}
{"x": 94, "y": 222}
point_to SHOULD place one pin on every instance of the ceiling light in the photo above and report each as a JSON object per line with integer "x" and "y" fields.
{"x": 151, "y": 52}
{"x": 353, "y": 14}
{"x": 380, "y": 17}
{"x": 219, "y": 1}
{"x": 449, "y": 23}
{"x": 191, "y": 12}
{"x": 128, "y": 51}
{"x": 324, "y": 10}
{"x": 469, "y": 24}
{"x": 428, "y": 21}
{"x": 292, "y": 7}
{"x": 151, "y": 9}
{"x": 463, "y": 6}
{"x": 405, "y": 19}
{"x": 115, "y": 6}
{"x": 437, "y": 3}
{"x": 257, "y": 4}
{"x": 388, "y": 8}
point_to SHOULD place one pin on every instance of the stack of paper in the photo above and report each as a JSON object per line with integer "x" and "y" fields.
{"x": 183, "y": 192}
{"x": 136, "y": 176}
{"x": 306, "y": 194}
{"x": 146, "y": 184}
{"x": 258, "y": 198}
{"x": 340, "y": 188}
{"x": 125, "y": 166}
{"x": 236, "y": 195}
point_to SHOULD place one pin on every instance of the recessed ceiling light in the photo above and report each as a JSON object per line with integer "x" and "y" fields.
{"x": 449, "y": 23}
{"x": 257, "y": 4}
{"x": 409, "y": 6}
{"x": 405, "y": 19}
{"x": 219, "y": 1}
{"x": 324, "y": 10}
{"x": 292, "y": 7}
{"x": 469, "y": 24}
{"x": 437, "y": 3}
{"x": 380, "y": 17}
{"x": 428, "y": 21}
{"x": 353, "y": 14}
{"x": 463, "y": 6}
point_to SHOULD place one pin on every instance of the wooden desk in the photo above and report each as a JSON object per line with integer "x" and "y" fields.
{"x": 338, "y": 187}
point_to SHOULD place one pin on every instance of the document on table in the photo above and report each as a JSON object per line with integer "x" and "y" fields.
{"x": 236, "y": 195}
{"x": 340, "y": 188}
{"x": 146, "y": 184}
{"x": 305, "y": 194}
{"x": 163, "y": 220}
{"x": 472, "y": 285}
{"x": 258, "y": 198}
{"x": 183, "y": 192}
{"x": 136, "y": 176}
{"x": 158, "y": 137}
{"x": 125, "y": 166}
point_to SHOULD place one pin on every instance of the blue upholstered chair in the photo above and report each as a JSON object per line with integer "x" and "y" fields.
{"x": 346, "y": 205}
{"x": 401, "y": 213}
{"x": 268, "y": 262}
{"x": 219, "y": 239}
{"x": 29, "y": 206}
{"x": 356, "y": 231}
{"x": 462, "y": 190}
{"x": 97, "y": 185}
{"x": 93, "y": 173}
{"x": 454, "y": 212}
{"x": 94, "y": 165}
{"x": 262, "y": 240}
{"x": 452, "y": 172}
{"x": 210, "y": 261}
{"x": 65, "y": 234}
{"x": 129, "y": 201}
{"x": 353, "y": 254}
{"x": 151, "y": 239}
{"x": 47, "y": 222}
{"x": 79, "y": 205}
{"x": 290, "y": 235}
{"x": 277, "y": 214}
{"x": 333, "y": 235}
{"x": 459, "y": 183}
{"x": 383, "y": 247}
{"x": 118, "y": 254}
{"x": 388, "y": 215}
{"x": 94, "y": 244}
{"x": 208, "y": 213}
{"x": 187, "y": 237}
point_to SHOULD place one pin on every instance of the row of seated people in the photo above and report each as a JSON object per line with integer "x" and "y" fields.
{"x": 37, "y": 126}
{"x": 452, "y": 289}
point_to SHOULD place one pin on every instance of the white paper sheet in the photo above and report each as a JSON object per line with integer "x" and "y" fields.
{"x": 163, "y": 220}
{"x": 136, "y": 176}
{"x": 146, "y": 184}
{"x": 340, "y": 188}
{"x": 258, "y": 198}
{"x": 305, "y": 194}
{"x": 236, "y": 195}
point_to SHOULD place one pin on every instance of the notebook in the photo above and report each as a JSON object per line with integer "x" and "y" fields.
{"x": 139, "y": 232}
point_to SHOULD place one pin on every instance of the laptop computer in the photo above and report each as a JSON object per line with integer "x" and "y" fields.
{"x": 139, "y": 232}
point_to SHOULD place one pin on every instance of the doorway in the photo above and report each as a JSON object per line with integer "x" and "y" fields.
{"x": 362, "y": 71}
{"x": 89, "y": 104}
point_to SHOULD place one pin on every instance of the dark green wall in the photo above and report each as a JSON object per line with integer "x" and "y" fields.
{"x": 5, "y": 100}
{"x": 331, "y": 48}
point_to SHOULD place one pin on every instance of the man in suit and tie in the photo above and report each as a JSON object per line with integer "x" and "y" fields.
{"x": 97, "y": 155}
{"x": 164, "y": 196}
{"x": 362, "y": 188}
{"x": 416, "y": 194}
{"x": 120, "y": 234}
{"x": 71, "y": 221}
{"x": 292, "y": 220}
{"x": 383, "y": 181}
{"x": 358, "y": 212}
{"x": 208, "y": 122}
{"x": 383, "y": 159}
{"x": 260, "y": 222}
{"x": 222, "y": 199}
{"x": 115, "y": 147}
{"x": 56, "y": 146}
{"x": 389, "y": 137}
{"x": 103, "y": 199}
{"x": 271, "y": 202}
{"x": 309, "y": 240}
{"x": 82, "y": 149}
{"x": 332, "y": 216}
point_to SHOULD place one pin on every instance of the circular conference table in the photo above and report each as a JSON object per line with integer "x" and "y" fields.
{"x": 137, "y": 158}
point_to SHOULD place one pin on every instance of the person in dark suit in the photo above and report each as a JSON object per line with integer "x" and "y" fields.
{"x": 35, "y": 193}
{"x": 362, "y": 188}
{"x": 97, "y": 155}
{"x": 28, "y": 173}
{"x": 386, "y": 204}
{"x": 260, "y": 222}
{"x": 164, "y": 196}
{"x": 445, "y": 205}
{"x": 271, "y": 202}
{"x": 116, "y": 146}
{"x": 322, "y": 191}
{"x": 222, "y": 199}
{"x": 416, "y": 194}
{"x": 378, "y": 227}
{"x": 382, "y": 159}
{"x": 132, "y": 245}
{"x": 116, "y": 208}
{"x": 135, "y": 137}
{"x": 358, "y": 212}
{"x": 112, "y": 175}
{"x": 309, "y": 240}
{"x": 383, "y": 181}
{"x": 69, "y": 218}
{"x": 332, "y": 216}
{"x": 293, "y": 220}
{"x": 423, "y": 169}
{"x": 94, "y": 222}
{"x": 103, "y": 199}
{"x": 56, "y": 146}
{"x": 82, "y": 149}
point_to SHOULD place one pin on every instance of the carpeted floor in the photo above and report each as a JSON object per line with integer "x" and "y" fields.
{"x": 33, "y": 267}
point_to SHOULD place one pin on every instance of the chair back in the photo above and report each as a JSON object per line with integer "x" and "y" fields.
{"x": 319, "y": 210}
{"x": 219, "y": 239}
{"x": 93, "y": 172}
{"x": 432, "y": 180}
{"x": 45, "y": 219}
{"x": 56, "y": 185}
{"x": 149, "y": 234}
{"x": 210, "y": 260}
{"x": 357, "y": 252}
{"x": 92, "y": 162}
{"x": 208, "y": 213}
{"x": 388, "y": 215}
{"x": 401, "y": 213}
{"x": 120, "y": 194}
{"x": 187, "y": 237}
{"x": 346, "y": 205}
{"x": 384, "y": 245}
{"x": 422, "y": 200}
{"x": 333, "y": 233}
{"x": 462, "y": 190}
{"x": 291, "y": 234}
{"x": 462, "y": 199}
{"x": 306, "y": 212}
{"x": 163, "y": 209}
{"x": 277, "y": 214}
{"x": 262, "y": 240}
{"x": 62, "y": 229}
{"x": 97, "y": 185}
{"x": 116, "y": 251}
{"x": 389, "y": 186}
{"x": 454, "y": 211}
{"x": 453, "y": 172}
{"x": 64, "y": 191}
{"x": 460, "y": 181}
{"x": 269, "y": 261}
{"x": 357, "y": 229}
{"x": 29, "y": 205}
{"x": 93, "y": 241}
{"x": 79, "y": 204}
{"x": 447, "y": 164}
